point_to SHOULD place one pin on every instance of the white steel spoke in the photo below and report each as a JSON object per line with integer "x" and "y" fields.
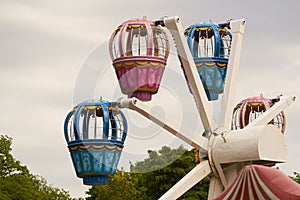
{"x": 272, "y": 112}
{"x": 237, "y": 28}
{"x": 197, "y": 141}
{"x": 215, "y": 188}
{"x": 204, "y": 107}
{"x": 188, "y": 181}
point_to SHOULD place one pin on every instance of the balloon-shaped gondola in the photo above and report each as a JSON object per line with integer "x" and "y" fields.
{"x": 251, "y": 108}
{"x": 139, "y": 50}
{"x": 95, "y": 132}
{"x": 209, "y": 44}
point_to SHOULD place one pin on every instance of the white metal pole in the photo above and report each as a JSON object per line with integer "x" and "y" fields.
{"x": 272, "y": 112}
{"x": 188, "y": 181}
{"x": 197, "y": 141}
{"x": 215, "y": 188}
{"x": 204, "y": 107}
{"x": 238, "y": 29}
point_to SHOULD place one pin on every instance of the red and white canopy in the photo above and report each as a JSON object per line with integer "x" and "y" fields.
{"x": 261, "y": 182}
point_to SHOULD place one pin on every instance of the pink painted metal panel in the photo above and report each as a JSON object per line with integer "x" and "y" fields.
{"x": 261, "y": 182}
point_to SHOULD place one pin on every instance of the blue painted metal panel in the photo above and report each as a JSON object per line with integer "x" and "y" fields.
{"x": 98, "y": 160}
{"x": 95, "y": 159}
{"x": 207, "y": 42}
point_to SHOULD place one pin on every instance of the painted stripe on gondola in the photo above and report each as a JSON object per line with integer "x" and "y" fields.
{"x": 84, "y": 147}
{"x": 211, "y": 64}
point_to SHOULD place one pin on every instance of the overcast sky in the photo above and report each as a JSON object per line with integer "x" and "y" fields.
{"x": 54, "y": 54}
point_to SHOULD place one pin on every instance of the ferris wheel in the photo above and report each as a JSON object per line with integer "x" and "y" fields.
{"x": 247, "y": 136}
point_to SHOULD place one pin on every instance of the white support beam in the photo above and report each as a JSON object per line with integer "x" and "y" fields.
{"x": 249, "y": 144}
{"x": 215, "y": 188}
{"x": 272, "y": 112}
{"x": 134, "y": 104}
{"x": 204, "y": 107}
{"x": 237, "y": 30}
{"x": 188, "y": 181}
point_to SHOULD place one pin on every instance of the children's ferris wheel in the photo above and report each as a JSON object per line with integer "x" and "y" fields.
{"x": 248, "y": 133}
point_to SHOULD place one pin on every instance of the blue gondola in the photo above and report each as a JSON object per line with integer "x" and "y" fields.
{"x": 209, "y": 44}
{"x": 95, "y": 132}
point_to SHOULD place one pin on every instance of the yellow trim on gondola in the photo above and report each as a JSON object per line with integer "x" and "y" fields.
{"x": 118, "y": 65}
{"x": 91, "y": 107}
{"x": 238, "y": 106}
{"x": 206, "y": 64}
{"x": 112, "y": 108}
{"x": 129, "y": 63}
{"x": 187, "y": 31}
{"x": 131, "y": 26}
{"x": 222, "y": 65}
{"x": 222, "y": 30}
{"x": 254, "y": 104}
{"x": 112, "y": 147}
{"x": 137, "y": 26}
{"x": 99, "y": 107}
{"x": 152, "y": 90}
{"x": 138, "y": 64}
{"x": 95, "y": 147}
{"x": 211, "y": 64}
{"x": 203, "y": 29}
{"x": 142, "y": 63}
{"x": 141, "y": 26}
{"x": 154, "y": 63}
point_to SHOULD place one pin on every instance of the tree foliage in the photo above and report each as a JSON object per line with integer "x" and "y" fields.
{"x": 155, "y": 183}
{"x": 157, "y": 159}
{"x": 121, "y": 186}
{"x": 296, "y": 177}
{"x": 16, "y": 182}
{"x": 161, "y": 171}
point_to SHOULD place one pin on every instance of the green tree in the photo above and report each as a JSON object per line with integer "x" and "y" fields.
{"x": 296, "y": 177}
{"x": 17, "y": 183}
{"x": 155, "y": 183}
{"x": 157, "y": 159}
{"x": 121, "y": 186}
{"x": 151, "y": 178}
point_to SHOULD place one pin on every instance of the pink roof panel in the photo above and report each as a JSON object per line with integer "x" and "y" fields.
{"x": 261, "y": 182}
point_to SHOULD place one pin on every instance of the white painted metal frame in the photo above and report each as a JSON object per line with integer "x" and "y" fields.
{"x": 204, "y": 107}
{"x": 237, "y": 30}
{"x": 272, "y": 112}
{"x": 188, "y": 181}
{"x": 219, "y": 179}
{"x": 197, "y": 141}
